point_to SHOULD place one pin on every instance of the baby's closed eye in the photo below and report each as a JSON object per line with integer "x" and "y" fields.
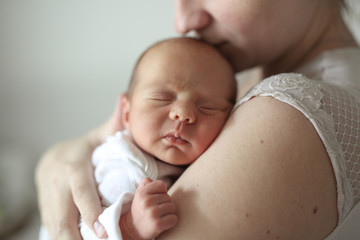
{"x": 209, "y": 109}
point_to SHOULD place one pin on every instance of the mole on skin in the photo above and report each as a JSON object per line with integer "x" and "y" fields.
{"x": 315, "y": 210}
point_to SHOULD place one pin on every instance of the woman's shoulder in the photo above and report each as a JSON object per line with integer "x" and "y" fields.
{"x": 331, "y": 110}
{"x": 286, "y": 87}
{"x": 309, "y": 96}
{"x": 270, "y": 167}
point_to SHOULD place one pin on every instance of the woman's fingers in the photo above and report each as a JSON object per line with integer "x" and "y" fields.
{"x": 85, "y": 195}
{"x": 66, "y": 186}
{"x": 64, "y": 223}
{"x": 69, "y": 234}
{"x": 58, "y": 212}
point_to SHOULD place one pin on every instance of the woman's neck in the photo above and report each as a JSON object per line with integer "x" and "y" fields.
{"x": 329, "y": 32}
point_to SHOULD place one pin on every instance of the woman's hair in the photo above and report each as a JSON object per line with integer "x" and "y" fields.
{"x": 343, "y": 4}
{"x": 351, "y": 15}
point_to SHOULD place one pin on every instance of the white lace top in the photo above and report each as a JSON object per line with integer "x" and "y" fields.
{"x": 327, "y": 92}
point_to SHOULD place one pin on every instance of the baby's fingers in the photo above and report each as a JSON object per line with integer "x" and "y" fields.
{"x": 167, "y": 222}
{"x": 164, "y": 218}
{"x": 165, "y": 209}
{"x": 147, "y": 186}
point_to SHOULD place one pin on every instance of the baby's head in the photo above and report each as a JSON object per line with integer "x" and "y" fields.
{"x": 181, "y": 93}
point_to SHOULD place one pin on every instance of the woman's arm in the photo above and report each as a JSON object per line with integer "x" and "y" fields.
{"x": 66, "y": 186}
{"x": 267, "y": 176}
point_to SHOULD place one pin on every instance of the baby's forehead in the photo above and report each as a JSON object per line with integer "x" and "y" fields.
{"x": 182, "y": 60}
{"x": 183, "y": 47}
{"x": 176, "y": 57}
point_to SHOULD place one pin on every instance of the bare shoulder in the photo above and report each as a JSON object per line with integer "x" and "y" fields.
{"x": 267, "y": 176}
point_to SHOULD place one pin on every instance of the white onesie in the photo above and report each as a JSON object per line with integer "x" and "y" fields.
{"x": 119, "y": 168}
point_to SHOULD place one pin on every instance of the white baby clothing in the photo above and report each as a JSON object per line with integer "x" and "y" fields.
{"x": 119, "y": 168}
{"x": 327, "y": 92}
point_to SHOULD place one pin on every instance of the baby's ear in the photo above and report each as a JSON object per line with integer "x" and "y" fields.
{"x": 125, "y": 108}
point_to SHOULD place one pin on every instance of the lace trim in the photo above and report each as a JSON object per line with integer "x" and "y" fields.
{"x": 307, "y": 96}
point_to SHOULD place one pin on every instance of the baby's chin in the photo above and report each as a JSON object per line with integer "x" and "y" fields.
{"x": 178, "y": 159}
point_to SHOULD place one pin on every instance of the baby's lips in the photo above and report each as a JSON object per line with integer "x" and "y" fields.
{"x": 175, "y": 139}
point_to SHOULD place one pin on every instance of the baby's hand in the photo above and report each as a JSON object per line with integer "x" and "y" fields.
{"x": 152, "y": 212}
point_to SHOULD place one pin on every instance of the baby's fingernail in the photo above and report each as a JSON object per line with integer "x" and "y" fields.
{"x": 99, "y": 229}
{"x": 146, "y": 181}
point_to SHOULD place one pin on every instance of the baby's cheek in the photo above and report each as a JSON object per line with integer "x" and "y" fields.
{"x": 200, "y": 148}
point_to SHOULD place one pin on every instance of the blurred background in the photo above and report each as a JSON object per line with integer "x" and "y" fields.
{"x": 62, "y": 65}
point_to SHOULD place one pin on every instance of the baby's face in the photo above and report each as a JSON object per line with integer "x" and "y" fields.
{"x": 180, "y": 103}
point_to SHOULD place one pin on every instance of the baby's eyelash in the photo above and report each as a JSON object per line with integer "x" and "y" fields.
{"x": 165, "y": 99}
{"x": 161, "y": 98}
{"x": 160, "y": 95}
{"x": 208, "y": 109}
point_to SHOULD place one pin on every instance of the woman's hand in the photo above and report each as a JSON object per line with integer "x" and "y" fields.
{"x": 152, "y": 212}
{"x": 64, "y": 181}
{"x": 66, "y": 186}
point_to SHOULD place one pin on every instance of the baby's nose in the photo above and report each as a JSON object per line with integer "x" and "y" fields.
{"x": 183, "y": 113}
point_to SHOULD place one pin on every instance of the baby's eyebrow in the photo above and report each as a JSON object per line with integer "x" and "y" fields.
{"x": 160, "y": 90}
{"x": 158, "y": 87}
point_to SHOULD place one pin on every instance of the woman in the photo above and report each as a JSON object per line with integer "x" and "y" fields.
{"x": 284, "y": 166}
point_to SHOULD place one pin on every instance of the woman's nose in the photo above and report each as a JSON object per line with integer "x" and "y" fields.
{"x": 183, "y": 113}
{"x": 190, "y": 16}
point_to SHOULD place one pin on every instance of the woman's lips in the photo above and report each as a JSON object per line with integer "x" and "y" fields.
{"x": 219, "y": 45}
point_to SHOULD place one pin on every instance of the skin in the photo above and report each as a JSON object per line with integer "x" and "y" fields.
{"x": 151, "y": 213}
{"x": 268, "y": 164}
{"x": 276, "y": 180}
{"x": 248, "y": 32}
{"x": 182, "y": 116}
{"x": 296, "y": 176}
{"x": 182, "y": 120}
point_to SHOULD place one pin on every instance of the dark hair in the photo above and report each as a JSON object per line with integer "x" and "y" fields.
{"x": 343, "y": 5}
